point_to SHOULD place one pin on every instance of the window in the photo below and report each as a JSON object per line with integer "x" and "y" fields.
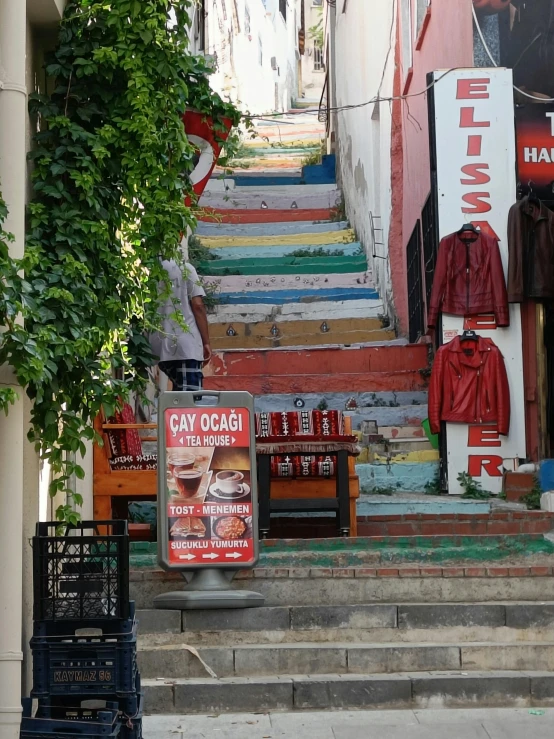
{"x": 420, "y": 11}
{"x": 415, "y": 286}
{"x": 200, "y": 25}
{"x": 247, "y": 20}
{"x": 318, "y": 58}
{"x": 283, "y": 9}
{"x": 317, "y": 3}
{"x": 260, "y": 51}
{"x": 406, "y": 35}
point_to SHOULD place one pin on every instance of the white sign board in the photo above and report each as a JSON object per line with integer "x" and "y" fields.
{"x": 476, "y": 182}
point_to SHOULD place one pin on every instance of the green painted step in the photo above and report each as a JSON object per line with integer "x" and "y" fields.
{"x": 363, "y": 551}
{"x": 285, "y": 265}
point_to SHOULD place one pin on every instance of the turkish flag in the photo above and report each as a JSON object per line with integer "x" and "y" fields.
{"x": 208, "y": 143}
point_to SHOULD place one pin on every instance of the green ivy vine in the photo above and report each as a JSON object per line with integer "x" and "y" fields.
{"x": 110, "y": 174}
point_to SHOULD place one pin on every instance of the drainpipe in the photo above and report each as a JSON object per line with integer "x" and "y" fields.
{"x": 13, "y": 118}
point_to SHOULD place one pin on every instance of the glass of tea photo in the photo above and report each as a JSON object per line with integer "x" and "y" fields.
{"x": 187, "y": 481}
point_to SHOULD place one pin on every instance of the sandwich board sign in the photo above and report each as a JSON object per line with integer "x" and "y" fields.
{"x": 207, "y": 487}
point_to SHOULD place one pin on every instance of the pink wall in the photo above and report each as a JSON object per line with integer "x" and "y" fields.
{"x": 448, "y": 42}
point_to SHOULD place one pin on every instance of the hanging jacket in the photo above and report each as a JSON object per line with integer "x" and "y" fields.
{"x": 469, "y": 279}
{"x": 531, "y": 249}
{"x": 469, "y": 384}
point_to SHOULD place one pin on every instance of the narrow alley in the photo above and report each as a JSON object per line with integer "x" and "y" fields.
{"x": 299, "y": 322}
{"x": 277, "y": 306}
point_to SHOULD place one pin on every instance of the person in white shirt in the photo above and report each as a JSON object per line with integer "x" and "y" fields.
{"x": 182, "y": 354}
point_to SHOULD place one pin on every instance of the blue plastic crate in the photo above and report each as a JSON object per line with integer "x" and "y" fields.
{"x": 61, "y": 723}
{"x": 84, "y": 666}
{"x": 128, "y": 706}
{"x": 131, "y": 725}
{"x": 82, "y": 574}
{"x": 131, "y": 730}
{"x": 123, "y": 629}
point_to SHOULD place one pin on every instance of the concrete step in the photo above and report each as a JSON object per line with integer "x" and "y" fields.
{"x": 399, "y": 514}
{"x": 176, "y": 661}
{"x": 300, "y": 384}
{"x": 404, "y": 402}
{"x": 282, "y": 190}
{"x": 294, "y": 338}
{"x": 239, "y": 199}
{"x": 314, "y": 295}
{"x": 328, "y": 361}
{"x": 243, "y": 283}
{"x": 451, "y": 689}
{"x": 269, "y": 215}
{"x": 327, "y": 311}
{"x": 320, "y": 370}
{"x": 349, "y": 585}
{"x": 405, "y": 446}
{"x": 298, "y": 240}
{"x": 393, "y": 414}
{"x": 377, "y": 623}
{"x": 280, "y": 251}
{"x": 384, "y": 478}
{"x": 283, "y": 229}
{"x": 285, "y": 265}
{"x": 401, "y": 431}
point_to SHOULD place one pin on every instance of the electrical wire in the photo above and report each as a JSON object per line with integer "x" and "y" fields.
{"x": 376, "y": 99}
{"x": 493, "y": 60}
{"x": 379, "y": 99}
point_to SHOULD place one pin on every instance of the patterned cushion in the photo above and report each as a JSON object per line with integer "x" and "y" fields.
{"x": 303, "y": 465}
{"x": 125, "y": 444}
{"x": 134, "y": 462}
{"x": 292, "y": 424}
{"x": 289, "y": 426}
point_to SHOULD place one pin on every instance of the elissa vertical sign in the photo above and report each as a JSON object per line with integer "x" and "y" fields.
{"x": 473, "y": 153}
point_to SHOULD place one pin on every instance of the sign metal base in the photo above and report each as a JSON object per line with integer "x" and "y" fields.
{"x": 208, "y": 589}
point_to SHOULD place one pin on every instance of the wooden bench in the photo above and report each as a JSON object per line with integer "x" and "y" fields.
{"x": 118, "y": 478}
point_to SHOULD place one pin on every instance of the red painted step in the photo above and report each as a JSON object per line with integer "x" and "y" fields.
{"x": 265, "y": 215}
{"x": 369, "y": 382}
{"x": 329, "y": 361}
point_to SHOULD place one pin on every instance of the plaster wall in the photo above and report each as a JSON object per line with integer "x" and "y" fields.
{"x": 363, "y": 68}
{"x": 446, "y": 43}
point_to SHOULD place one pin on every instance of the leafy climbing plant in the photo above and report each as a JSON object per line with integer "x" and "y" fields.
{"x": 111, "y": 160}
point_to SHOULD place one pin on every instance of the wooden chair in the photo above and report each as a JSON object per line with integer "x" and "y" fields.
{"x": 336, "y": 493}
{"x": 113, "y": 480}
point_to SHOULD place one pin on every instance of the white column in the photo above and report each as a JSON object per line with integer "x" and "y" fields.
{"x": 13, "y": 113}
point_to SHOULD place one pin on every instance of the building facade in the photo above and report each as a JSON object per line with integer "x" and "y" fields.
{"x": 254, "y": 46}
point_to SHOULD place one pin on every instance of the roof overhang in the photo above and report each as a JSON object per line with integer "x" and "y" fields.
{"x": 45, "y": 12}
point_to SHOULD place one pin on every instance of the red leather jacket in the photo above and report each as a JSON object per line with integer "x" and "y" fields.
{"x": 469, "y": 279}
{"x": 469, "y": 384}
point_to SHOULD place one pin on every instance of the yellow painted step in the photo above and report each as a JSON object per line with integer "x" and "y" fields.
{"x": 329, "y": 237}
{"x": 426, "y": 455}
{"x": 260, "y": 342}
{"x": 297, "y": 333}
{"x": 319, "y": 326}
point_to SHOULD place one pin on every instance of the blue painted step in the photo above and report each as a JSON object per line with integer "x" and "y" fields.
{"x": 267, "y": 180}
{"x": 381, "y": 505}
{"x": 321, "y": 174}
{"x": 280, "y": 297}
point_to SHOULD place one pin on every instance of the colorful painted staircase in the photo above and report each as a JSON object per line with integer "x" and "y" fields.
{"x": 299, "y": 320}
